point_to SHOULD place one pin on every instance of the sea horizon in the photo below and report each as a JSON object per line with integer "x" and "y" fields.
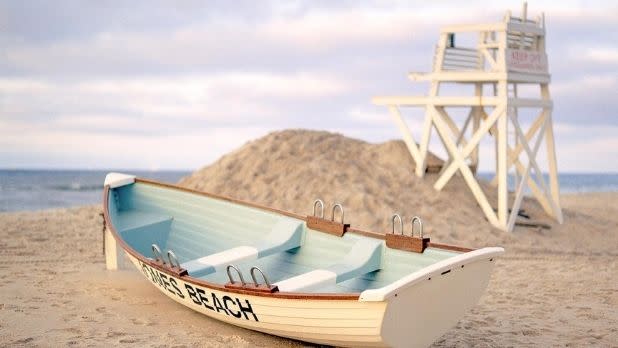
{"x": 40, "y": 189}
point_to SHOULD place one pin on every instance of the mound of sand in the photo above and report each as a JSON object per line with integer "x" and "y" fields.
{"x": 290, "y": 169}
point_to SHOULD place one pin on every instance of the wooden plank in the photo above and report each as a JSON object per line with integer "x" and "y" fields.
{"x": 442, "y": 129}
{"x": 476, "y": 121}
{"x": 525, "y": 28}
{"x": 472, "y": 143}
{"x": 462, "y": 50}
{"x": 459, "y": 133}
{"x": 531, "y": 155}
{"x": 489, "y": 59}
{"x": 440, "y": 101}
{"x": 530, "y": 103}
{"x": 479, "y": 76}
{"x": 252, "y": 287}
{"x": 522, "y": 185}
{"x": 514, "y": 153}
{"x": 539, "y": 194}
{"x": 500, "y": 26}
{"x": 407, "y": 243}
{"x": 465, "y": 60}
{"x": 421, "y": 166}
{"x": 407, "y": 135}
{"x": 326, "y": 226}
{"x": 459, "y": 67}
{"x": 551, "y": 158}
{"x": 534, "y": 188}
{"x": 502, "y": 171}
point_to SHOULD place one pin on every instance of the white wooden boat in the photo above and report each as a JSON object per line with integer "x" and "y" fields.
{"x": 312, "y": 279}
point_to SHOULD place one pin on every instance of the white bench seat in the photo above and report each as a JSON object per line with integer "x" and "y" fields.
{"x": 286, "y": 234}
{"x": 364, "y": 257}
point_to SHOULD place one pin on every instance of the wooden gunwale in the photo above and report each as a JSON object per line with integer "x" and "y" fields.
{"x": 214, "y": 286}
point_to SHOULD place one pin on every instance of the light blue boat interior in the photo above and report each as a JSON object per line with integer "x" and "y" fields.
{"x": 194, "y": 226}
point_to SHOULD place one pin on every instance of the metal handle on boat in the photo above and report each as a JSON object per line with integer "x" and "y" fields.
{"x": 393, "y": 218}
{"x": 420, "y": 226}
{"x": 171, "y": 257}
{"x": 332, "y": 215}
{"x": 315, "y": 203}
{"x": 253, "y": 269}
{"x": 156, "y": 251}
{"x": 229, "y": 275}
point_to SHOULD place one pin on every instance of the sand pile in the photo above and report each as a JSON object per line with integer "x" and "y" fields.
{"x": 290, "y": 169}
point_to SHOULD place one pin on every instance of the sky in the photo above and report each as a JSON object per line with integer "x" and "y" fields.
{"x": 176, "y": 84}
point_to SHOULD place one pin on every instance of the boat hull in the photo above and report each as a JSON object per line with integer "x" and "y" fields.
{"x": 320, "y": 320}
{"x": 415, "y": 317}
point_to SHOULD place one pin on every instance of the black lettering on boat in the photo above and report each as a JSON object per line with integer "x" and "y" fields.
{"x": 202, "y": 295}
{"x": 227, "y": 299}
{"x": 192, "y": 294}
{"x": 217, "y": 303}
{"x": 166, "y": 283}
{"x": 246, "y": 310}
{"x": 175, "y": 286}
{"x": 145, "y": 269}
{"x": 154, "y": 275}
{"x": 199, "y": 296}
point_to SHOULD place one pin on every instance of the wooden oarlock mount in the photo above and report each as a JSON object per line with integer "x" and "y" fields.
{"x": 172, "y": 265}
{"x": 265, "y": 287}
{"x": 319, "y": 223}
{"x": 407, "y": 243}
{"x": 508, "y": 55}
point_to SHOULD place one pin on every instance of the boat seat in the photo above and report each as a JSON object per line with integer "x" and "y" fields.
{"x": 364, "y": 257}
{"x": 286, "y": 234}
{"x": 134, "y": 220}
{"x": 142, "y": 229}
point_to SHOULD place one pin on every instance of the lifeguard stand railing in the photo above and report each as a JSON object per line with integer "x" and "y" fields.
{"x": 507, "y": 57}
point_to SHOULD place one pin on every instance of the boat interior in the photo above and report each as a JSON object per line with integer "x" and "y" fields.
{"x": 207, "y": 234}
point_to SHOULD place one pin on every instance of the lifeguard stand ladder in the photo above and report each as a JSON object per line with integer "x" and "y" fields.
{"x": 508, "y": 54}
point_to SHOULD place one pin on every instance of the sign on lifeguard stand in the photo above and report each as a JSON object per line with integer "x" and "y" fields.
{"x": 508, "y": 57}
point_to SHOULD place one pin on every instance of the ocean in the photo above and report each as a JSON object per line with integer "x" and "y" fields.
{"x": 46, "y": 189}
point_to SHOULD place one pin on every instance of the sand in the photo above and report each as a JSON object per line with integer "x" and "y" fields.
{"x": 556, "y": 287}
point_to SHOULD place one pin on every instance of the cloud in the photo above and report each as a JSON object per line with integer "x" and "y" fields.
{"x": 601, "y": 55}
{"x": 217, "y": 99}
{"x": 143, "y": 73}
{"x": 76, "y": 149}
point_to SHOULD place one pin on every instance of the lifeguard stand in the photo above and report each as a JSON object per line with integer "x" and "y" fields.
{"x": 507, "y": 55}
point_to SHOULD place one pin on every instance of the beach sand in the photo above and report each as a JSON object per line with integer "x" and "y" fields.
{"x": 556, "y": 287}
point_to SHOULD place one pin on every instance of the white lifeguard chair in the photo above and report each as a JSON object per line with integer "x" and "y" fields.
{"x": 507, "y": 55}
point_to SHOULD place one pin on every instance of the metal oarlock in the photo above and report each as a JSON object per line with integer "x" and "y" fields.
{"x": 332, "y": 216}
{"x": 406, "y": 242}
{"x": 253, "y": 269}
{"x": 420, "y": 226}
{"x": 395, "y": 217}
{"x": 173, "y": 260}
{"x": 156, "y": 252}
{"x": 319, "y": 223}
{"x": 229, "y": 275}
{"x": 315, "y": 203}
